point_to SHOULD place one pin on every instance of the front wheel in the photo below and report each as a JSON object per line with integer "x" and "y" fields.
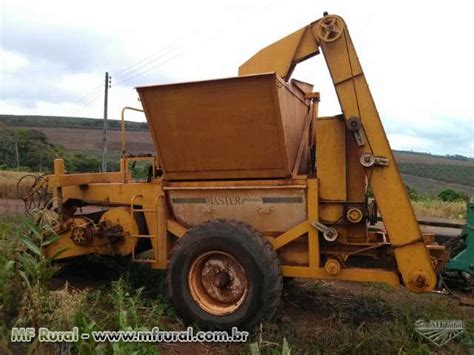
{"x": 224, "y": 273}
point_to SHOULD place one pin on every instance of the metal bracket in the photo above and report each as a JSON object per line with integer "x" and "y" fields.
{"x": 409, "y": 242}
{"x": 329, "y": 233}
{"x": 359, "y": 138}
{"x": 368, "y": 160}
{"x": 354, "y": 125}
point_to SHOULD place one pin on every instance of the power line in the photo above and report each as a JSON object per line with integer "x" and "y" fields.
{"x": 135, "y": 70}
{"x": 127, "y": 80}
{"x": 140, "y": 68}
{"x": 124, "y": 72}
{"x": 87, "y": 104}
{"x": 85, "y": 101}
{"x": 86, "y": 97}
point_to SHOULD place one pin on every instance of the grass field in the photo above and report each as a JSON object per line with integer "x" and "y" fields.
{"x": 8, "y": 183}
{"x": 314, "y": 317}
{"x": 440, "y": 209}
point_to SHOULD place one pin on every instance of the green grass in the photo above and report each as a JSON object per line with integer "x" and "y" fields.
{"x": 365, "y": 319}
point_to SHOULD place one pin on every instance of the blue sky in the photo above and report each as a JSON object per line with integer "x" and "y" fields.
{"x": 417, "y": 56}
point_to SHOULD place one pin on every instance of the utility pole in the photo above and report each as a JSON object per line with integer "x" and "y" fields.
{"x": 17, "y": 154}
{"x": 108, "y": 84}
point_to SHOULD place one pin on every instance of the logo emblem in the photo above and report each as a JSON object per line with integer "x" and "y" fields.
{"x": 439, "y": 332}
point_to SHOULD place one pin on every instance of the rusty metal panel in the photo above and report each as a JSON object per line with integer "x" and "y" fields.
{"x": 243, "y": 127}
{"x": 268, "y": 210}
{"x": 293, "y": 118}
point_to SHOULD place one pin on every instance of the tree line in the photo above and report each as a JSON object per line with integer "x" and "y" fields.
{"x": 30, "y": 150}
{"x": 68, "y": 122}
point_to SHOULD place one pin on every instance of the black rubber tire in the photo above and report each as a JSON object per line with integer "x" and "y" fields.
{"x": 251, "y": 249}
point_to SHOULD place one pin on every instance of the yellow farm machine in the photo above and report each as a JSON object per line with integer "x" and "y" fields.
{"x": 249, "y": 186}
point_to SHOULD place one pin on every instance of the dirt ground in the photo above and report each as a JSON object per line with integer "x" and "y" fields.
{"x": 11, "y": 206}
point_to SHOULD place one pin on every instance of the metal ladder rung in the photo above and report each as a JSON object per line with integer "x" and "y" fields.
{"x": 146, "y": 261}
{"x": 143, "y": 210}
{"x": 144, "y": 236}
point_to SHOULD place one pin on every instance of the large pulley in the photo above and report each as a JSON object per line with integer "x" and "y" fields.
{"x": 330, "y": 28}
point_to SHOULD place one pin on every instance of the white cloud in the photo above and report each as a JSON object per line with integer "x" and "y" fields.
{"x": 416, "y": 55}
{"x": 11, "y": 61}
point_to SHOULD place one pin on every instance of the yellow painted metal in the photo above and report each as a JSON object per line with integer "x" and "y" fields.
{"x": 352, "y": 274}
{"x": 58, "y": 166}
{"x": 85, "y": 179}
{"x": 332, "y": 266}
{"x": 282, "y": 56}
{"x": 267, "y": 209}
{"x": 122, "y": 125}
{"x": 115, "y": 193}
{"x": 331, "y": 158}
{"x": 354, "y": 95}
{"x": 123, "y": 194}
{"x": 290, "y": 235}
{"x": 175, "y": 228}
{"x": 150, "y": 213}
{"x": 313, "y": 215}
{"x": 356, "y": 180}
{"x": 294, "y": 183}
{"x": 100, "y": 245}
{"x": 183, "y": 119}
{"x": 331, "y": 35}
{"x": 163, "y": 239}
{"x": 295, "y": 253}
{"x": 341, "y": 178}
{"x": 122, "y": 217}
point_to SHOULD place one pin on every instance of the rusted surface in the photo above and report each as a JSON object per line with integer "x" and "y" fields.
{"x": 218, "y": 282}
{"x": 298, "y": 182}
{"x": 82, "y": 236}
{"x": 268, "y": 210}
{"x": 244, "y": 127}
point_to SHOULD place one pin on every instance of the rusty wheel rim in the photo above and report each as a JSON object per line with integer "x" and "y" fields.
{"x": 218, "y": 283}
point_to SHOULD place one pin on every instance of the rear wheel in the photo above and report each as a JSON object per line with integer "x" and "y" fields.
{"x": 224, "y": 273}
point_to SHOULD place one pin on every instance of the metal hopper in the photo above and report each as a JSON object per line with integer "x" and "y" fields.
{"x": 237, "y": 128}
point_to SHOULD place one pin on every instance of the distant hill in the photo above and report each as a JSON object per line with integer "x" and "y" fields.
{"x": 431, "y": 173}
{"x": 427, "y": 173}
{"x": 428, "y": 158}
{"x": 67, "y": 122}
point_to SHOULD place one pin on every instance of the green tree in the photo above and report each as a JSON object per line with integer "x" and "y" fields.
{"x": 36, "y": 153}
{"x": 449, "y": 195}
{"x": 413, "y": 193}
{"x": 82, "y": 163}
